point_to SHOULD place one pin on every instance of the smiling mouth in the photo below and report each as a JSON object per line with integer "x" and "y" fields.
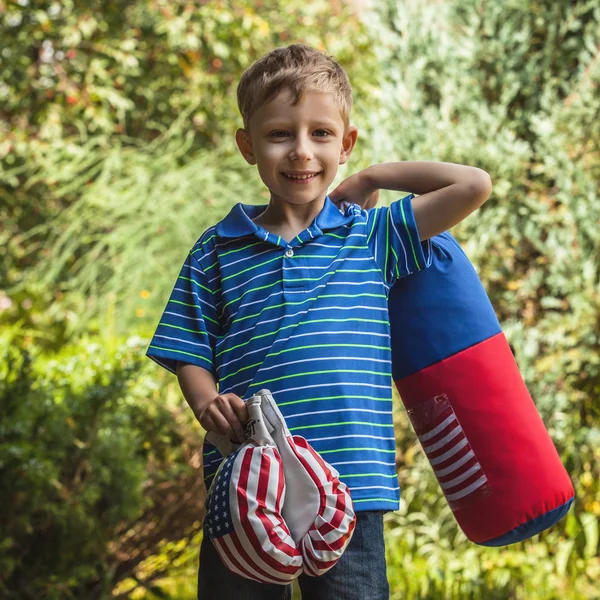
{"x": 301, "y": 178}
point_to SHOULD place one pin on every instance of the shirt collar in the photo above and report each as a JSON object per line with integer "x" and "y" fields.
{"x": 239, "y": 220}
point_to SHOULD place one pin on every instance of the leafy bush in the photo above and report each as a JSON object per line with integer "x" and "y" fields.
{"x": 428, "y": 555}
{"x": 97, "y": 470}
{"x": 121, "y": 137}
{"x": 510, "y": 88}
{"x": 108, "y": 178}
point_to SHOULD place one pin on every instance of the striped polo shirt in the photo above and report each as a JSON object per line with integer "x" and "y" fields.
{"x": 307, "y": 320}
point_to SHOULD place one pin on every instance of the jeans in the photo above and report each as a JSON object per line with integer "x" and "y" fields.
{"x": 360, "y": 574}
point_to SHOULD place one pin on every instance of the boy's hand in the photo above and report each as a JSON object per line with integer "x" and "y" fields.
{"x": 356, "y": 189}
{"x": 226, "y": 414}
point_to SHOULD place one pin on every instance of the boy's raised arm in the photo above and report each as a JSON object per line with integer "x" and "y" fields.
{"x": 448, "y": 192}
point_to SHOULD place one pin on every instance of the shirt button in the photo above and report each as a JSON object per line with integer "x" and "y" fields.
{"x": 289, "y": 253}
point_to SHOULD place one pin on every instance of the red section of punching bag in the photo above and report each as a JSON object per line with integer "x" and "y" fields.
{"x": 459, "y": 405}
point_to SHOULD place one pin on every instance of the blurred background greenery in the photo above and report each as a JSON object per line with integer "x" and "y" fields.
{"x": 117, "y": 123}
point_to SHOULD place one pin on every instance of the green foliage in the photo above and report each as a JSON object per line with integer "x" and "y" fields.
{"x": 88, "y": 452}
{"x": 428, "y": 556}
{"x": 113, "y": 246}
{"x": 121, "y": 137}
{"x": 117, "y": 151}
{"x": 510, "y": 88}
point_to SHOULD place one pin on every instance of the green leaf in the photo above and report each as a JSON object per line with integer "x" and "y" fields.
{"x": 589, "y": 522}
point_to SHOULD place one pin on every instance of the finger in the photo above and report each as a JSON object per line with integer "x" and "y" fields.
{"x": 208, "y": 423}
{"x": 230, "y": 415}
{"x": 203, "y": 414}
{"x": 221, "y": 423}
{"x": 240, "y": 408}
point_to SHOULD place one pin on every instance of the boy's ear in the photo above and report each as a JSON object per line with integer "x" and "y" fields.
{"x": 348, "y": 143}
{"x": 244, "y": 143}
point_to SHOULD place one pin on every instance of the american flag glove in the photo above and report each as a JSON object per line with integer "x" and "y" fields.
{"x": 307, "y": 501}
{"x": 243, "y": 519}
{"x": 318, "y": 508}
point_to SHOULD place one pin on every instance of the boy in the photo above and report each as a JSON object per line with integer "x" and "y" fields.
{"x": 293, "y": 297}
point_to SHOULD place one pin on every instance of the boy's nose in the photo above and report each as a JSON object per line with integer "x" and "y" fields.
{"x": 301, "y": 148}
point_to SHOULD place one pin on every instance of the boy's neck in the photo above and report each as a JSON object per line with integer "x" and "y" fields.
{"x": 288, "y": 220}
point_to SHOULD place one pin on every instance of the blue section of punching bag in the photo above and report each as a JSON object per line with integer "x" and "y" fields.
{"x": 438, "y": 311}
{"x": 531, "y": 528}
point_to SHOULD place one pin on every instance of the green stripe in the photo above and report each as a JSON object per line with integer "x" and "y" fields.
{"x": 265, "y": 381}
{"x": 344, "y": 476}
{"x": 182, "y": 352}
{"x": 279, "y": 281}
{"x": 409, "y": 236}
{"x": 341, "y": 423}
{"x": 198, "y": 284}
{"x": 182, "y": 328}
{"x": 211, "y": 452}
{"x": 375, "y": 500}
{"x": 397, "y": 261}
{"x": 375, "y": 217}
{"x": 262, "y": 335}
{"x": 326, "y": 346}
{"x": 214, "y": 235}
{"x": 195, "y": 306}
{"x": 240, "y": 249}
{"x": 258, "y": 314}
{"x": 252, "y": 268}
{"x": 240, "y": 370}
{"x": 333, "y": 398}
{"x": 334, "y": 272}
{"x": 292, "y": 350}
{"x": 355, "y": 449}
{"x": 387, "y": 240}
{"x": 262, "y": 287}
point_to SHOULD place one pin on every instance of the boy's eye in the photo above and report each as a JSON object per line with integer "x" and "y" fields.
{"x": 275, "y": 133}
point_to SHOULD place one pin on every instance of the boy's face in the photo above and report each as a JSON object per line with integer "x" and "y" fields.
{"x": 286, "y": 139}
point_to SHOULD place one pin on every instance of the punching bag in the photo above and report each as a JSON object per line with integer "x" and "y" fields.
{"x": 469, "y": 405}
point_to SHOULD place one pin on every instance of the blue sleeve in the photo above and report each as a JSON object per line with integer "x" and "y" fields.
{"x": 189, "y": 326}
{"x": 394, "y": 242}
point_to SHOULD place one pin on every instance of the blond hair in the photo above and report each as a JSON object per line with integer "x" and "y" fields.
{"x": 299, "y": 69}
